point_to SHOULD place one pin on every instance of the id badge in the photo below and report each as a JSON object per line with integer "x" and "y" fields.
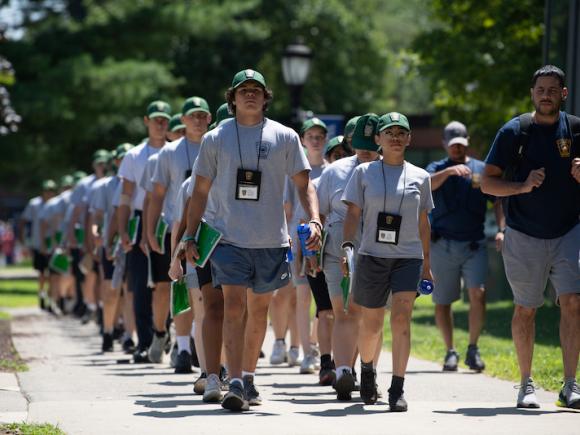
{"x": 248, "y": 185}
{"x": 388, "y": 228}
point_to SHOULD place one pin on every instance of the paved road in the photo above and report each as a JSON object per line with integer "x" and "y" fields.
{"x": 70, "y": 383}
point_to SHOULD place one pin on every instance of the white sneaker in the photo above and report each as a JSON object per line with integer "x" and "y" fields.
{"x": 279, "y": 354}
{"x": 293, "y": 356}
{"x": 173, "y": 356}
{"x": 569, "y": 396}
{"x": 527, "y": 395}
{"x": 157, "y": 348}
{"x": 308, "y": 365}
{"x": 316, "y": 354}
{"x": 213, "y": 392}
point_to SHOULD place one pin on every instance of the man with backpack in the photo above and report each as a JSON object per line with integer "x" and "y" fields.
{"x": 534, "y": 165}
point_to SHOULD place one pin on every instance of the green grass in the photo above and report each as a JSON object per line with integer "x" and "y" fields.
{"x": 18, "y": 293}
{"x": 30, "y": 429}
{"x": 13, "y": 366}
{"x": 495, "y": 344}
{"x": 26, "y": 264}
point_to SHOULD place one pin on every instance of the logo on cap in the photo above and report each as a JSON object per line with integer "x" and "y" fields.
{"x": 196, "y": 101}
{"x": 394, "y": 117}
{"x": 369, "y": 128}
{"x": 249, "y": 73}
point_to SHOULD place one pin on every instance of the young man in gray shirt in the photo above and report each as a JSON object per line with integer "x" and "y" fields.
{"x": 245, "y": 161}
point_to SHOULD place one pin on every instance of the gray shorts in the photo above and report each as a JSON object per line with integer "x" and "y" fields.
{"x": 375, "y": 278}
{"x": 334, "y": 275}
{"x": 530, "y": 261}
{"x": 451, "y": 260}
{"x": 263, "y": 270}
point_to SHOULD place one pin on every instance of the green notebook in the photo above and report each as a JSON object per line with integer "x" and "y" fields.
{"x": 132, "y": 227}
{"x": 206, "y": 238}
{"x": 160, "y": 232}
{"x": 58, "y": 237}
{"x": 48, "y": 243}
{"x": 59, "y": 262}
{"x": 79, "y": 234}
{"x": 179, "y": 298}
{"x": 345, "y": 286}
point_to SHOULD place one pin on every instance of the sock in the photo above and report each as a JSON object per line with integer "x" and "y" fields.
{"x": 366, "y": 366}
{"x": 339, "y": 371}
{"x": 160, "y": 334}
{"x": 569, "y": 380}
{"x": 192, "y": 333}
{"x": 127, "y": 336}
{"x": 396, "y": 389}
{"x": 244, "y": 374}
{"x": 92, "y": 307}
{"x": 280, "y": 340}
{"x": 325, "y": 360}
{"x": 108, "y": 331}
{"x": 237, "y": 380}
{"x": 472, "y": 346}
{"x": 183, "y": 344}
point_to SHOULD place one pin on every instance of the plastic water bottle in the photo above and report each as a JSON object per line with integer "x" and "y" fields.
{"x": 303, "y": 231}
{"x": 426, "y": 287}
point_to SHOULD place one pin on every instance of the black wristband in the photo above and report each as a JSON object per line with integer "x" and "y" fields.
{"x": 347, "y": 244}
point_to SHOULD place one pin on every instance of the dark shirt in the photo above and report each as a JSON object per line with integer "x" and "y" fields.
{"x": 551, "y": 210}
{"x": 460, "y": 205}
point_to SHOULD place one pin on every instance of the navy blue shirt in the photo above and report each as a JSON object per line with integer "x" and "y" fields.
{"x": 460, "y": 205}
{"x": 551, "y": 210}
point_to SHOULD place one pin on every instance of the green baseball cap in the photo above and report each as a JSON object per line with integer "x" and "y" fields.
{"x": 175, "y": 123}
{"x": 101, "y": 156}
{"x": 363, "y": 136}
{"x": 391, "y": 119}
{"x": 159, "y": 109}
{"x": 48, "y": 185}
{"x": 349, "y": 127}
{"x": 332, "y": 144}
{"x": 122, "y": 149}
{"x": 222, "y": 114}
{"x": 248, "y": 74}
{"x": 195, "y": 104}
{"x": 312, "y": 122}
{"x": 77, "y": 176}
{"x": 67, "y": 181}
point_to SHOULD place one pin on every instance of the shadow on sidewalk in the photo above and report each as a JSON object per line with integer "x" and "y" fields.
{"x": 506, "y": 410}
{"x": 207, "y": 412}
{"x": 357, "y": 409}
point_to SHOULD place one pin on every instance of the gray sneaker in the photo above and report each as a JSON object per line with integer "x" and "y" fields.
{"x": 250, "y": 392}
{"x": 451, "y": 360}
{"x": 213, "y": 391}
{"x": 173, "y": 356}
{"x": 234, "y": 400}
{"x": 200, "y": 383}
{"x": 157, "y": 348}
{"x": 293, "y": 356}
{"x": 569, "y": 396}
{"x": 527, "y": 395}
{"x": 308, "y": 365}
{"x": 278, "y": 355}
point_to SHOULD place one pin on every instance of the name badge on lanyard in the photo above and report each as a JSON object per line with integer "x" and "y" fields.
{"x": 248, "y": 185}
{"x": 388, "y": 228}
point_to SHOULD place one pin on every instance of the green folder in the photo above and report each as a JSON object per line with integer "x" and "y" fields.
{"x": 132, "y": 227}
{"x": 179, "y": 298}
{"x": 79, "y": 234}
{"x": 160, "y": 232}
{"x": 48, "y": 243}
{"x": 58, "y": 237}
{"x": 206, "y": 238}
{"x": 59, "y": 262}
{"x": 345, "y": 286}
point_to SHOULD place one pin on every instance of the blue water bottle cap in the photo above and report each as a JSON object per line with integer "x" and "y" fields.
{"x": 426, "y": 287}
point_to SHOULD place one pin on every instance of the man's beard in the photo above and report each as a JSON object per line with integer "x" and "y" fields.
{"x": 553, "y": 110}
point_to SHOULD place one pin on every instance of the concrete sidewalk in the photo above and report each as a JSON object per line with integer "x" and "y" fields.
{"x": 70, "y": 383}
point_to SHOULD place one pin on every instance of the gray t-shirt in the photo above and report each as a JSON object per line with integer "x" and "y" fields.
{"x": 32, "y": 214}
{"x": 103, "y": 199}
{"x": 145, "y": 182}
{"x": 331, "y": 185}
{"x": 251, "y": 224}
{"x": 174, "y": 165}
{"x": 366, "y": 189}
{"x": 132, "y": 168}
{"x": 79, "y": 193}
{"x": 291, "y": 196}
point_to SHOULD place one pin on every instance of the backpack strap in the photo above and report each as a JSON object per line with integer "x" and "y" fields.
{"x": 521, "y": 145}
{"x": 574, "y": 128}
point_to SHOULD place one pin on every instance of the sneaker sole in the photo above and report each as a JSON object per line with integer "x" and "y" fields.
{"x": 199, "y": 389}
{"x": 562, "y": 404}
{"x": 398, "y": 408}
{"x": 449, "y": 369}
{"x": 234, "y": 403}
{"x": 213, "y": 397}
{"x": 255, "y": 402}
{"x": 528, "y": 406}
{"x": 306, "y": 371}
{"x": 183, "y": 370}
{"x": 344, "y": 388}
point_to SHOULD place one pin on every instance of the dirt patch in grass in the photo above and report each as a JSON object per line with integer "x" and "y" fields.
{"x": 10, "y": 361}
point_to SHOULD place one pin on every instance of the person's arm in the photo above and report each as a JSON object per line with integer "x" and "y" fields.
{"x": 111, "y": 231}
{"x": 179, "y": 230}
{"x": 309, "y": 201}
{"x": 123, "y": 212}
{"x": 196, "y": 209}
{"x": 492, "y": 182}
{"x": 155, "y": 204}
{"x": 96, "y": 220}
{"x": 438, "y": 178}
{"x": 425, "y": 235}
{"x": 501, "y": 225}
{"x": 575, "y": 169}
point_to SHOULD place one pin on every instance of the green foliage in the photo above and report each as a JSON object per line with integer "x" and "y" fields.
{"x": 30, "y": 429}
{"x": 479, "y": 61}
{"x": 18, "y": 293}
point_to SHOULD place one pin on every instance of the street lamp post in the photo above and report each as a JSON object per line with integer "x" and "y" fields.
{"x": 296, "y": 61}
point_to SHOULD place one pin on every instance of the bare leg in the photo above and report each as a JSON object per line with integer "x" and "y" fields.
{"x": 370, "y": 330}
{"x": 401, "y": 330}
{"x": 212, "y": 327}
{"x": 161, "y": 306}
{"x": 345, "y": 331}
{"x": 292, "y": 323}
{"x": 234, "y": 327}
{"x": 110, "y": 302}
{"x": 89, "y": 289}
{"x": 325, "y": 326}
{"x": 198, "y": 314}
{"x": 444, "y": 321}
{"x": 303, "y": 300}
{"x": 569, "y": 337}
{"x": 279, "y": 311}
{"x": 476, "y": 313}
{"x": 128, "y": 312}
{"x": 523, "y": 333}
{"x": 255, "y": 328}
{"x": 378, "y": 349}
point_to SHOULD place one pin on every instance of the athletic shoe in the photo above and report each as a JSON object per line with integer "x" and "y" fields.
{"x": 250, "y": 392}
{"x": 157, "y": 347}
{"x": 527, "y": 395}
{"x": 173, "y": 356}
{"x": 316, "y": 354}
{"x": 356, "y": 382}
{"x": 200, "y": 383}
{"x": 88, "y": 316}
{"x": 344, "y": 386}
{"x": 451, "y": 360}
{"x": 118, "y": 332}
{"x": 397, "y": 404}
{"x": 308, "y": 365}
{"x": 42, "y": 300}
{"x": 368, "y": 386}
{"x": 569, "y": 396}
{"x": 234, "y": 400}
{"x": 194, "y": 358}
{"x": 326, "y": 376}
{"x": 129, "y": 346}
{"x": 379, "y": 392}
{"x": 141, "y": 357}
{"x": 212, "y": 392}
{"x": 183, "y": 364}
{"x": 473, "y": 359}
{"x": 224, "y": 379}
{"x": 279, "y": 354}
{"x": 262, "y": 354}
{"x": 293, "y": 356}
{"x": 107, "y": 343}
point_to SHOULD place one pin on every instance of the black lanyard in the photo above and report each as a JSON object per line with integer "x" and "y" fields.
{"x": 259, "y": 147}
{"x": 385, "y": 187}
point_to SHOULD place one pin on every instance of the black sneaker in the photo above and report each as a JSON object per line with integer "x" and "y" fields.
{"x": 356, "y": 382}
{"x": 473, "y": 359}
{"x": 451, "y": 360}
{"x": 118, "y": 332}
{"x": 141, "y": 357}
{"x": 129, "y": 346}
{"x": 397, "y": 404}
{"x": 262, "y": 354}
{"x": 183, "y": 363}
{"x": 250, "y": 392}
{"x": 107, "y": 343}
{"x": 234, "y": 400}
{"x": 345, "y": 386}
{"x": 194, "y": 358}
{"x": 368, "y": 386}
{"x": 326, "y": 376}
